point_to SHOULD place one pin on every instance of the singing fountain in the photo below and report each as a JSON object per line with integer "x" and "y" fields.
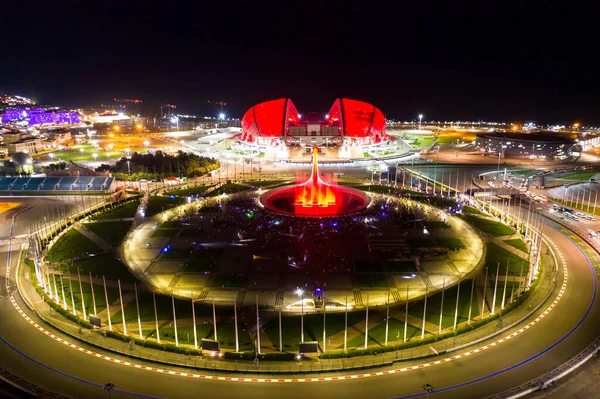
{"x": 314, "y": 197}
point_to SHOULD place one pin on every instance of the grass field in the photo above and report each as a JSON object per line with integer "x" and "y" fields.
{"x": 228, "y": 188}
{"x": 500, "y": 292}
{"x": 422, "y": 142}
{"x": 186, "y": 192}
{"x": 523, "y": 172}
{"x": 127, "y": 210}
{"x": 377, "y": 335}
{"x": 104, "y": 265}
{"x": 74, "y": 154}
{"x": 111, "y": 232}
{"x": 474, "y": 211}
{"x": 113, "y": 294}
{"x": 451, "y": 242}
{"x": 262, "y": 183}
{"x": 72, "y": 244}
{"x": 373, "y": 188}
{"x": 582, "y": 175}
{"x": 164, "y": 309}
{"x": 434, "y": 306}
{"x": 489, "y": 226}
{"x": 519, "y": 244}
{"x": 313, "y": 328}
{"x": 436, "y": 224}
{"x": 496, "y": 253}
{"x": 157, "y": 204}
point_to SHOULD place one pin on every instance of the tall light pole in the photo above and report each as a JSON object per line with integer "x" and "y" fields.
{"x": 301, "y": 294}
{"x": 420, "y": 120}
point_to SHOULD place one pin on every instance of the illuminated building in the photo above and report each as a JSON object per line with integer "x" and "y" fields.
{"x": 527, "y": 145}
{"x": 40, "y": 116}
{"x": 278, "y": 122}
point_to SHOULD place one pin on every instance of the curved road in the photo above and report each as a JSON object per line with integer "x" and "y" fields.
{"x": 565, "y": 331}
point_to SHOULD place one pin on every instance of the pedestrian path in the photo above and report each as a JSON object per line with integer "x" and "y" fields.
{"x": 399, "y": 314}
{"x": 115, "y": 307}
{"x": 95, "y": 238}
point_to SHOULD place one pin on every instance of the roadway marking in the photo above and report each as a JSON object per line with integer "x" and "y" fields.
{"x": 307, "y": 379}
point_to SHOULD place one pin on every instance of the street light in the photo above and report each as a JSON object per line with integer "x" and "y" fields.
{"x": 221, "y": 116}
{"x": 420, "y": 119}
{"x": 146, "y": 143}
{"x": 95, "y": 156}
{"x": 80, "y": 150}
{"x": 301, "y": 294}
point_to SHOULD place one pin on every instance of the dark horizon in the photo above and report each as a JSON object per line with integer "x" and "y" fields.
{"x": 525, "y": 63}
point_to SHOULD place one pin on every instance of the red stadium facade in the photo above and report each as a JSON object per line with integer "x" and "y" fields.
{"x": 277, "y": 122}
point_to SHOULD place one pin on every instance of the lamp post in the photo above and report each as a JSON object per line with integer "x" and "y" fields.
{"x": 420, "y": 120}
{"x": 301, "y": 294}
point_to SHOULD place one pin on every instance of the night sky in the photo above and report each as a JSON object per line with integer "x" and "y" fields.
{"x": 534, "y": 61}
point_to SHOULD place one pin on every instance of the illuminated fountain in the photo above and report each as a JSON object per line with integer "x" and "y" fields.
{"x": 314, "y": 197}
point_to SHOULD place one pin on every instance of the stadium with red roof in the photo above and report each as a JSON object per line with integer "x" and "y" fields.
{"x": 349, "y": 122}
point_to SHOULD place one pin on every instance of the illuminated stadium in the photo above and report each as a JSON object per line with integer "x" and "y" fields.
{"x": 349, "y": 122}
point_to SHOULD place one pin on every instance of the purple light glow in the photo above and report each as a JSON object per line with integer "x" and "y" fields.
{"x": 40, "y": 117}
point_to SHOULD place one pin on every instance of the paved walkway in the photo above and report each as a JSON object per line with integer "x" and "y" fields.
{"x": 95, "y": 238}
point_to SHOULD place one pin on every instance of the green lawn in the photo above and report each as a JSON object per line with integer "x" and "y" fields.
{"x": 313, "y": 327}
{"x": 262, "y": 183}
{"x": 186, "y": 192}
{"x": 496, "y": 253}
{"x": 126, "y": 210}
{"x": 582, "y": 175}
{"x": 373, "y": 188}
{"x": 164, "y": 309}
{"x": 426, "y": 141}
{"x": 157, "y": 204}
{"x": 434, "y": 306}
{"x": 489, "y": 226}
{"x": 436, "y": 224}
{"x": 113, "y": 294}
{"x": 500, "y": 291}
{"x": 74, "y": 154}
{"x": 111, "y": 232}
{"x": 377, "y": 335}
{"x": 519, "y": 244}
{"x": 228, "y": 188}
{"x": 167, "y": 333}
{"x": 523, "y": 172}
{"x": 225, "y": 333}
{"x": 164, "y": 233}
{"x": 104, "y": 265}
{"x": 474, "y": 211}
{"x": 72, "y": 244}
{"x": 451, "y": 243}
